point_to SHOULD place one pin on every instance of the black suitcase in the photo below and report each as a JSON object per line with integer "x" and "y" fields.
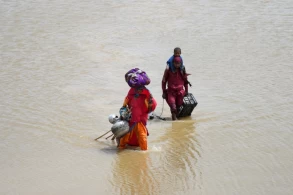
{"x": 189, "y": 103}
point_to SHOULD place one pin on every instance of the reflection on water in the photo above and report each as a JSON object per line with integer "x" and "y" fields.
{"x": 181, "y": 153}
{"x": 172, "y": 169}
{"x": 132, "y": 173}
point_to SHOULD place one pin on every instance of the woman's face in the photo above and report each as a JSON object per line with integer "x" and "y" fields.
{"x": 177, "y": 64}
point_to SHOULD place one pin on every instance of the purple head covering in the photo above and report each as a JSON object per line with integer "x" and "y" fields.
{"x": 137, "y": 78}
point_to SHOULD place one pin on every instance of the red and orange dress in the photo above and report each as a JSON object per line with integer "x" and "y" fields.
{"x": 141, "y": 102}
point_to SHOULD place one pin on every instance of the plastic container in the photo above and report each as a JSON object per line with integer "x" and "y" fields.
{"x": 189, "y": 103}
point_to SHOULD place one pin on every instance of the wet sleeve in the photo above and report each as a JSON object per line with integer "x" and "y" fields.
{"x": 185, "y": 80}
{"x": 126, "y": 100}
{"x": 150, "y": 103}
{"x": 164, "y": 80}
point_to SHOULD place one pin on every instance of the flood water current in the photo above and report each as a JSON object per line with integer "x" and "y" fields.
{"x": 62, "y": 69}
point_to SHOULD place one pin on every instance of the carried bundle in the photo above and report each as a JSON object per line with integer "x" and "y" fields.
{"x": 137, "y": 78}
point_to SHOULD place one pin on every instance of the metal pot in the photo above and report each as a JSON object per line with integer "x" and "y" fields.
{"x": 113, "y": 118}
{"x": 120, "y": 128}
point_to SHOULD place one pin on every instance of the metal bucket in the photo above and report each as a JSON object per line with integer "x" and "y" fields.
{"x": 120, "y": 128}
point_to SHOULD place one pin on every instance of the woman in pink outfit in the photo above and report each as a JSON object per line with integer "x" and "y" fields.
{"x": 177, "y": 83}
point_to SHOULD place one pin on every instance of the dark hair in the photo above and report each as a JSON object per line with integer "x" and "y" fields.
{"x": 177, "y": 48}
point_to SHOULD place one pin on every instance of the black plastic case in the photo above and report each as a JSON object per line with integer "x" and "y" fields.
{"x": 189, "y": 103}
